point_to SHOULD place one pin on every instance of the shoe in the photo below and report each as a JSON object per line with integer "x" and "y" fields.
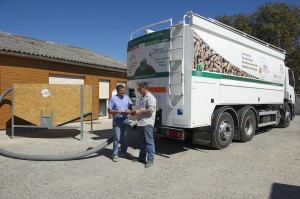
{"x": 149, "y": 164}
{"x": 123, "y": 155}
{"x": 115, "y": 158}
{"x": 138, "y": 160}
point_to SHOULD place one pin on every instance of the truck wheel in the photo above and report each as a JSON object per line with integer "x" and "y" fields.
{"x": 287, "y": 117}
{"x": 224, "y": 131}
{"x": 248, "y": 126}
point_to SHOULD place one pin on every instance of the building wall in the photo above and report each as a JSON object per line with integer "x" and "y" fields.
{"x": 32, "y": 71}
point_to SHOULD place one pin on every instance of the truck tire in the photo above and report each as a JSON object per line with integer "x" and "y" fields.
{"x": 224, "y": 130}
{"x": 287, "y": 117}
{"x": 248, "y": 126}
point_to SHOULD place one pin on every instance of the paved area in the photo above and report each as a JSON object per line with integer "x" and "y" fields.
{"x": 266, "y": 167}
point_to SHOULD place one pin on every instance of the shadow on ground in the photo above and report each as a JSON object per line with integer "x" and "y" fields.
{"x": 284, "y": 191}
{"x": 260, "y": 131}
{"x": 164, "y": 147}
{"x": 45, "y": 133}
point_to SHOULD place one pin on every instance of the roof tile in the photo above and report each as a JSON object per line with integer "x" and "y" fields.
{"x": 24, "y": 45}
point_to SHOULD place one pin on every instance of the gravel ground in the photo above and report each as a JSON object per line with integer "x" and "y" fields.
{"x": 266, "y": 167}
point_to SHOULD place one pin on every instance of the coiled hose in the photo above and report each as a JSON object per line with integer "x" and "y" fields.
{"x": 51, "y": 157}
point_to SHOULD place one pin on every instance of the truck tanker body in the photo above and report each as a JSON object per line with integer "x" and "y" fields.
{"x": 212, "y": 82}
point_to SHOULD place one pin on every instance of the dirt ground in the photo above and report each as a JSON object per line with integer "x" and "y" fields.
{"x": 266, "y": 167}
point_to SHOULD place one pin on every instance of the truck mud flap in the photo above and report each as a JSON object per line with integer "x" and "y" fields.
{"x": 204, "y": 138}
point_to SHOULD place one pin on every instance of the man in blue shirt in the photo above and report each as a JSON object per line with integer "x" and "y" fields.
{"x": 120, "y": 106}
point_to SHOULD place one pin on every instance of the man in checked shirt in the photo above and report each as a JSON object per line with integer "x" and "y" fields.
{"x": 146, "y": 119}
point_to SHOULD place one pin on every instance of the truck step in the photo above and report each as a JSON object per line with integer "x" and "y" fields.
{"x": 174, "y": 37}
{"x": 176, "y": 60}
{"x": 267, "y": 124}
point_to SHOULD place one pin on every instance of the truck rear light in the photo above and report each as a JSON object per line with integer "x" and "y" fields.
{"x": 176, "y": 134}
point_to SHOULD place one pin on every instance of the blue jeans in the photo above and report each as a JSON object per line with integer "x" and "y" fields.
{"x": 147, "y": 143}
{"x": 120, "y": 126}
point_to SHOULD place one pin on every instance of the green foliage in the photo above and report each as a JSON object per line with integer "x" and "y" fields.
{"x": 242, "y": 22}
{"x": 293, "y": 61}
{"x": 278, "y": 24}
{"x": 275, "y": 23}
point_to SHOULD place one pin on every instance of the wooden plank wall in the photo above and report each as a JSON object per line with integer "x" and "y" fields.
{"x": 63, "y": 102}
{"x": 32, "y": 71}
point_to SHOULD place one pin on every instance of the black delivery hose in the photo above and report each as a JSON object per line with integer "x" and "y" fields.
{"x": 51, "y": 157}
{"x": 55, "y": 157}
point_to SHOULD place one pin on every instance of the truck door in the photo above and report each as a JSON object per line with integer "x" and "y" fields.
{"x": 289, "y": 85}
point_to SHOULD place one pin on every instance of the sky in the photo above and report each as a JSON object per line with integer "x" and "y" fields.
{"x": 105, "y": 26}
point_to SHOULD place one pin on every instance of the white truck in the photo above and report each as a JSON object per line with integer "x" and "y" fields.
{"x": 212, "y": 82}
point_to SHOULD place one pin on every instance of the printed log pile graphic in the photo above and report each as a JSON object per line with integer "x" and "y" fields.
{"x": 212, "y": 61}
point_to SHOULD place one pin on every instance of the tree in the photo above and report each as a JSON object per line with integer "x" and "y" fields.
{"x": 275, "y": 23}
{"x": 278, "y": 24}
{"x": 242, "y": 22}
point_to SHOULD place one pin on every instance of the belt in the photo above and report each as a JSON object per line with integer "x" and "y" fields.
{"x": 120, "y": 118}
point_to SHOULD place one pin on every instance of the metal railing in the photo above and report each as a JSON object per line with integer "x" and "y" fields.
{"x": 146, "y": 27}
